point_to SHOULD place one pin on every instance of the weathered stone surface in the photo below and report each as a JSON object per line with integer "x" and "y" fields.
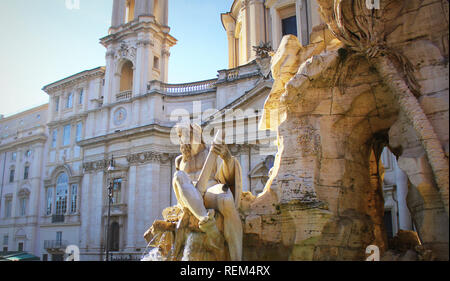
{"x": 334, "y": 114}
{"x": 178, "y": 238}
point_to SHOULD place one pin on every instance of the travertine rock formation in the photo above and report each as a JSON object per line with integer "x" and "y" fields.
{"x": 370, "y": 79}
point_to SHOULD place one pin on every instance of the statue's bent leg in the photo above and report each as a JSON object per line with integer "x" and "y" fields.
{"x": 188, "y": 196}
{"x": 232, "y": 225}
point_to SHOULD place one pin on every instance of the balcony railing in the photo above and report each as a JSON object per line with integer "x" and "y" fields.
{"x": 58, "y": 218}
{"x": 55, "y": 244}
{"x": 125, "y": 95}
{"x": 183, "y": 89}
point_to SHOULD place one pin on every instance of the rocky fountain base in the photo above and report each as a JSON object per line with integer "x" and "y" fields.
{"x": 178, "y": 238}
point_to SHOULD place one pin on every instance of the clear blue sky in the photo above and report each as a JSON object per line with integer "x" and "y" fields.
{"x": 44, "y": 41}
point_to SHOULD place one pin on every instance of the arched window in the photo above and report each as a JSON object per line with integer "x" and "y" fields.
{"x": 129, "y": 11}
{"x": 114, "y": 241}
{"x": 62, "y": 187}
{"x": 126, "y": 78}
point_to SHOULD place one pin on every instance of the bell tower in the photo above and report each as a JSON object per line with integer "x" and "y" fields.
{"x": 137, "y": 48}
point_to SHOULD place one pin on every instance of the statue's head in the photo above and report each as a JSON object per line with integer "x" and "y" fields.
{"x": 191, "y": 141}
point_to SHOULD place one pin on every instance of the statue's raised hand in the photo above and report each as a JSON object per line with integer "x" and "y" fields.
{"x": 222, "y": 150}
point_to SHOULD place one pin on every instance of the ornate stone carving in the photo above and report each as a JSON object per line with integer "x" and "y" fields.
{"x": 149, "y": 156}
{"x": 126, "y": 52}
{"x": 95, "y": 166}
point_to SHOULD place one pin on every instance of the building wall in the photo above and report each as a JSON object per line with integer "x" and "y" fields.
{"x": 22, "y": 135}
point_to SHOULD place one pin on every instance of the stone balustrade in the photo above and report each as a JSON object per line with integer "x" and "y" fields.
{"x": 125, "y": 95}
{"x": 232, "y": 74}
{"x": 183, "y": 89}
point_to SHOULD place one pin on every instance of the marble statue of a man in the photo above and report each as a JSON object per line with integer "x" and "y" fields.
{"x": 221, "y": 191}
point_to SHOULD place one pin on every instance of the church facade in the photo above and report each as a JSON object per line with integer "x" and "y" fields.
{"x": 112, "y": 126}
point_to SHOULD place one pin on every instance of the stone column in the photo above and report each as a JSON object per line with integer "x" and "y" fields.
{"x": 60, "y": 101}
{"x": 231, "y": 49}
{"x": 161, "y": 11}
{"x": 151, "y": 6}
{"x": 109, "y": 77}
{"x": 86, "y": 90}
{"x": 35, "y": 192}
{"x": 139, "y": 8}
{"x": 165, "y": 13}
{"x": 115, "y": 21}
{"x": 165, "y": 55}
{"x": 146, "y": 65}
{"x": 276, "y": 28}
{"x": 256, "y": 12}
{"x": 85, "y": 199}
{"x": 138, "y": 68}
{"x": 97, "y": 201}
{"x": 229, "y": 24}
{"x": 131, "y": 239}
{"x": 121, "y": 11}
{"x": 245, "y": 29}
{"x": 35, "y": 176}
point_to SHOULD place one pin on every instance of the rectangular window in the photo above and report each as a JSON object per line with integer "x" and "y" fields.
{"x": 11, "y": 175}
{"x": 23, "y": 207}
{"x": 8, "y": 208}
{"x": 73, "y": 200}
{"x": 59, "y": 236}
{"x": 14, "y": 156}
{"x": 117, "y": 188}
{"x": 80, "y": 101}
{"x": 69, "y": 102}
{"x": 57, "y": 104}
{"x": 66, "y": 135}
{"x": 79, "y": 131}
{"x": 49, "y": 201}
{"x": 289, "y": 26}
{"x": 5, "y": 240}
{"x": 26, "y": 172}
{"x": 54, "y": 137}
{"x": 155, "y": 62}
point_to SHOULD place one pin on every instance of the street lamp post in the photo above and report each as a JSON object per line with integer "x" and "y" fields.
{"x": 110, "y": 195}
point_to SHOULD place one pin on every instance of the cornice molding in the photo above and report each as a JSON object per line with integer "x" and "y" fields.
{"x": 130, "y": 133}
{"x": 74, "y": 79}
{"x": 41, "y": 138}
